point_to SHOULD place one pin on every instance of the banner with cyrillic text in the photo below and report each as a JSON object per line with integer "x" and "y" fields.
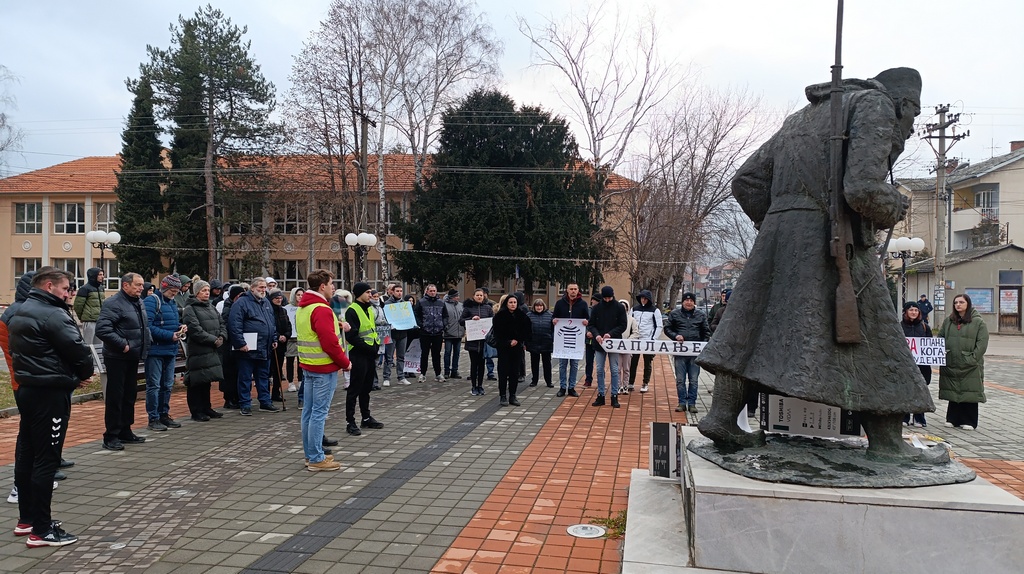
{"x": 400, "y": 316}
{"x": 928, "y": 350}
{"x": 656, "y": 347}
{"x": 570, "y": 339}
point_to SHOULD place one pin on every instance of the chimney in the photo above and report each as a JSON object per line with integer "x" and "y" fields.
{"x": 1016, "y": 145}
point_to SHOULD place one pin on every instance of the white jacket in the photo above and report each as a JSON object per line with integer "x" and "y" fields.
{"x": 649, "y": 323}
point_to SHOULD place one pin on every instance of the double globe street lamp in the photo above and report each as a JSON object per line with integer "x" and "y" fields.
{"x": 904, "y": 248}
{"x": 103, "y": 240}
{"x": 360, "y": 243}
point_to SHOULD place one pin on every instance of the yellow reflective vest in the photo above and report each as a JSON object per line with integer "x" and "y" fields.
{"x": 367, "y": 326}
{"x": 310, "y": 351}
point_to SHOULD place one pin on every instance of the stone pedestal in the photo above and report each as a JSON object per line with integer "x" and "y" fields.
{"x": 745, "y": 525}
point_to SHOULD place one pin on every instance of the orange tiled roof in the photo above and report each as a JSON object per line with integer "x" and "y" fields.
{"x": 290, "y": 172}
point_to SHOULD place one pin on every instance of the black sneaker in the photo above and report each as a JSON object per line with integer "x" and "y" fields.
{"x": 245, "y": 411}
{"x": 512, "y": 400}
{"x": 573, "y": 393}
{"x": 502, "y": 401}
{"x": 371, "y": 423}
{"x": 533, "y": 384}
{"x": 134, "y": 439}
{"x": 55, "y": 536}
{"x": 353, "y": 430}
{"x": 615, "y": 401}
{"x": 328, "y": 451}
{"x": 156, "y": 425}
{"x": 551, "y": 385}
{"x": 169, "y": 422}
{"x": 200, "y": 418}
{"x": 269, "y": 408}
{"x": 113, "y": 445}
{"x": 492, "y": 378}
{"x": 213, "y": 414}
{"x": 455, "y": 376}
{"x": 59, "y": 475}
{"x": 328, "y": 442}
{"x": 560, "y": 393}
{"x": 66, "y": 463}
{"x": 598, "y": 402}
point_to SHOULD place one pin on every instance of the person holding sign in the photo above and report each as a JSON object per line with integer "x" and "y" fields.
{"x": 570, "y": 306}
{"x": 687, "y": 324}
{"x": 474, "y": 310}
{"x": 914, "y": 326}
{"x": 961, "y": 380}
{"x": 512, "y": 330}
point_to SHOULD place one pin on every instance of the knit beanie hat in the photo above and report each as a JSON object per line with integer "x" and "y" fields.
{"x": 359, "y": 288}
{"x": 170, "y": 282}
{"x": 199, "y": 286}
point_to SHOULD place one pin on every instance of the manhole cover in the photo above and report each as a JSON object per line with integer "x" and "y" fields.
{"x": 117, "y": 546}
{"x": 586, "y": 531}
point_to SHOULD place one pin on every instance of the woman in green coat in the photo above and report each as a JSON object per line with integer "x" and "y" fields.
{"x": 962, "y": 379}
{"x": 206, "y": 334}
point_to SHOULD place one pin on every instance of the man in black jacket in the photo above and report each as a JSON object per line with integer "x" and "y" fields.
{"x": 570, "y": 306}
{"x": 50, "y": 360}
{"x": 431, "y": 317}
{"x": 687, "y": 324}
{"x": 607, "y": 321}
{"x": 124, "y": 330}
{"x": 363, "y": 344}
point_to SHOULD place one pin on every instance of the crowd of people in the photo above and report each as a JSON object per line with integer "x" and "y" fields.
{"x": 314, "y": 337}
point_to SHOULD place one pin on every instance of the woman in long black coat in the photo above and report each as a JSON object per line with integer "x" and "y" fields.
{"x": 512, "y": 330}
{"x": 914, "y": 326}
{"x": 206, "y": 334}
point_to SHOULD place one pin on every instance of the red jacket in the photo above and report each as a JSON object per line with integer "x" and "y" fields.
{"x": 323, "y": 320}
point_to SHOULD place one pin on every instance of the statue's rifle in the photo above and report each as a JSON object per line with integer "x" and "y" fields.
{"x": 847, "y": 316}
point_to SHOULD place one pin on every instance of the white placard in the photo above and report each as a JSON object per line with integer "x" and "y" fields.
{"x": 570, "y": 339}
{"x": 250, "y": 341}
{"x": 412, "y": 357}
{"x": 928, "y": 350}
{"x": 653, "y": 347}
{"x": 477, "y": 330}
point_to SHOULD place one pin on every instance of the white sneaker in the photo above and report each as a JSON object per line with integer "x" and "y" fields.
{"x": 439, "y": 378}
{"x": 386, "y": 383}
{"x": 643, "y": 389}
{"x": 291, "y": 388}
{"x": 13, "y": 496}
{"x": 948, "y": 424}
{"x": 404, "y": 381}
{"x": 421, "y": 378}
{"x": 966, "y": 427}
{"x": 345, "y": 385}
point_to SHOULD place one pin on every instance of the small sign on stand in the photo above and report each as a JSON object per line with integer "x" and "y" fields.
{"x": 787, "y": 415}
{"x": 665, "y": 454}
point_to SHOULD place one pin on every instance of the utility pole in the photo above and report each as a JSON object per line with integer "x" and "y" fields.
{"x": 361, "y": 222}
{"x": 942, "y": 199}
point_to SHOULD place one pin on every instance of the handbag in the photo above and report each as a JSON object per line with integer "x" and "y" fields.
{"x": 490, "y": 338}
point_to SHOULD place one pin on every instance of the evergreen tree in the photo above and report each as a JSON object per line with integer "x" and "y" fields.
{"x": 506, "y": 183}
{"x": 219, "y": 104}
{"x": 140, "y": 206}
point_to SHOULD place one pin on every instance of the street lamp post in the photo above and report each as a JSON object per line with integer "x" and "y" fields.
{"x": 360, "y": 243}
{"x": 103, "y": 240}
{"x": 904, "y": 248}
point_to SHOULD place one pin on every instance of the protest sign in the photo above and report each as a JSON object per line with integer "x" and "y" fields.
{"x": 412, "y": 357}
{"x": 653, "y": 347}
{"x": 477, "y": 330}
{"x": 400, "y": 316}
{"x": 570, "y": 338}
{"x": 928, "y": 350}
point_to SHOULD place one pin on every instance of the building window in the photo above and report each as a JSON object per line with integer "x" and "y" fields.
{"x": 291, "y": 220}
{"x": 289, "y": 273}
{"x": 1011, "y": 277}
{"x": 329, "y": 221}
{"x": 987, "y": 203}
{"x": 112, "y": 272}
{"x": 23, "y": 265}
{"x": 336, "y": 268}
{"x": 105, "y": 217}
{"x": 75, "y": 267}
{"x": 68, "y": 218}
{"x": 28, "y": 217}
{"x": 248, "y": 220}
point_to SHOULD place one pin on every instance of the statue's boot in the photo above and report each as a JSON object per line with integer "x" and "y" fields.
{"x": 720, "y": 423}
{"x": 886, "y": 444}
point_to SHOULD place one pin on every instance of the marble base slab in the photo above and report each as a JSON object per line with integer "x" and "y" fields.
{"x": 741, "y": 524}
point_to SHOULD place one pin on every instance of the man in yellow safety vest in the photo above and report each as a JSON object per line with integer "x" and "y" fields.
{"x": 363, "y": 343}
{"x": 320, "y": 357}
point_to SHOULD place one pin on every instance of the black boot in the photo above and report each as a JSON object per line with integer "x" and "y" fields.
{"x": 503, "y": 401}
{"x": 615, "y": 401}
{"x": 513, "y": 401}
{"x": 598, "y": 402}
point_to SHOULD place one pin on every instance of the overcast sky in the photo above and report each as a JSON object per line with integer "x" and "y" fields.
{"x": 72, "y": 57}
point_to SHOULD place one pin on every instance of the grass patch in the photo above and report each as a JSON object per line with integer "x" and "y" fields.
{"x": 7, "y": 393}
{"x": 616, "y": 524}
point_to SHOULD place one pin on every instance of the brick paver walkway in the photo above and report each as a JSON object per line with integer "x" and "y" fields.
{"x": 452, "y": 484}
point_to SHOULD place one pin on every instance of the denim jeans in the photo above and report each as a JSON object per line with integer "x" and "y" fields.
{"x": 247, "y": 369}
{"x": 489, "y": 361}
{"x": 687, "y": 367}
{"x": 613, "y": 366}
{"x": 574, "y": 368}
{"x": 452, "y": 348}
{"x": 159, "y": 380}
{"x": 314, "y": 412}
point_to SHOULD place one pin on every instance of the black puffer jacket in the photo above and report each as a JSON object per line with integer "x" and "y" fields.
{"x": 204, "y": 327}
{"x": 21, "y": 292}
{"x": 692, "y": 325}
{"x": 46, "y": 345}
{"x": 122, "y": 321}
{"x": 543, "y": 340}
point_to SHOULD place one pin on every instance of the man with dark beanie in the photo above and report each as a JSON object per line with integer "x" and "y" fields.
{"x": 363, "y": 343}
{"x": 607, "y": 321}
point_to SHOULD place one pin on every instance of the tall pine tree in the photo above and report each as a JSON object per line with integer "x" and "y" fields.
{"x": 140, "y": 207}
{"x": 506, "y": 184}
